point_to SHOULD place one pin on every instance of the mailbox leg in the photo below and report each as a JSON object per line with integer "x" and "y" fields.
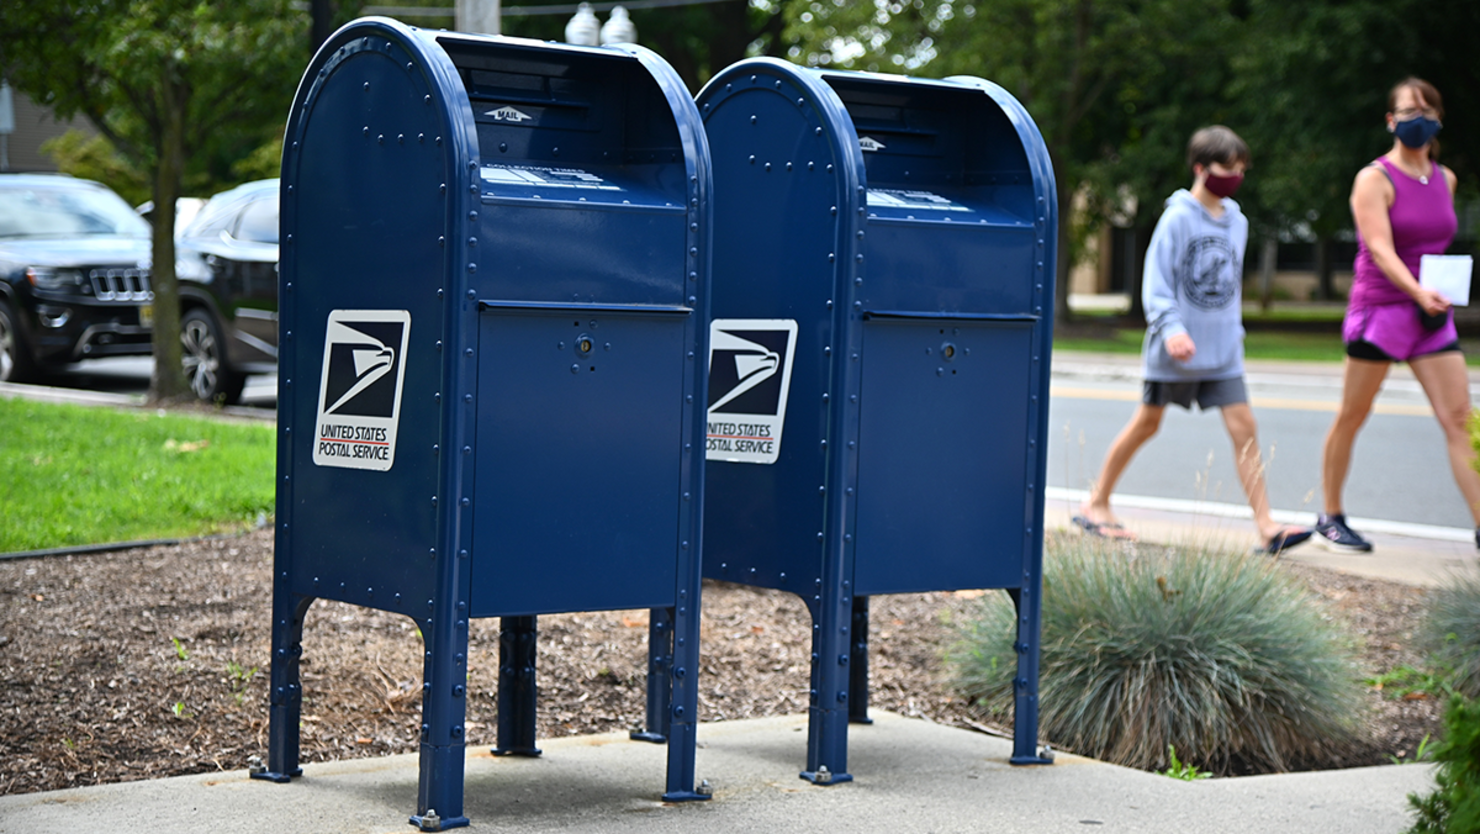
{"x": 1025, "y": 685}
{"x": 439, "y": 800}
{"x": 517, "y": 693}
{"x": 683, "y": 714}
{"x": 827, "y": 718}
{"x": 286, "y": 704}
{"x": 659, "y": 680}
{"x": 858, "y": 667}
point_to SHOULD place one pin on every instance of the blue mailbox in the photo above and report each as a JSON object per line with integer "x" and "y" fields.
{"x": 491, "y": 374}
{"x": 882, "y": 300}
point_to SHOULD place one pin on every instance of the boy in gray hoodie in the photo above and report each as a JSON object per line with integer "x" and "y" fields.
{"x": 1194, "y": 348}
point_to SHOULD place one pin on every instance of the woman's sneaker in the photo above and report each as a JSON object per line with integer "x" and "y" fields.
{"x": 1335, "y": 535}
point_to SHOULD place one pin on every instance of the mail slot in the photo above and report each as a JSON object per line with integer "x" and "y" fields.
{"x": 882, "y": 299}
{"x": 491, "y": 375}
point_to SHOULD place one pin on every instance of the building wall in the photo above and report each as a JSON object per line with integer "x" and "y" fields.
{"x": 34, "y": 125}
{"x": 1090, "y": 275}
{"x": 1297, "y": 284}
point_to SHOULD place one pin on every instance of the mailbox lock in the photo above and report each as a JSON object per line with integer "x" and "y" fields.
{"x": 948, "y": 351}
{"x": 584, "y": 344}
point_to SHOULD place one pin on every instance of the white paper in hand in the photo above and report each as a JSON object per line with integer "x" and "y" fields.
{"x": 1449, "y": 274}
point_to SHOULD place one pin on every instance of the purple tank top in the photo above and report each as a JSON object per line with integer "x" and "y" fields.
{"x": 1423, "y": 223}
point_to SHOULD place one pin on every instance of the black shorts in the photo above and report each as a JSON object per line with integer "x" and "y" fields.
{"x": 1363, "y": 349}
{"x": 1209, "y": 393}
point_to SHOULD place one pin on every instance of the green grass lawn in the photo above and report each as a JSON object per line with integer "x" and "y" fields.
{"x": 1297, "y": 314}
{"x": 72, "y": 475}
{"x": 1258, "y": 344}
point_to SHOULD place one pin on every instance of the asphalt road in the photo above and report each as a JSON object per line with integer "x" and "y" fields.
{"x": 129, "y": 375}
{"x": 1400, "y": 471}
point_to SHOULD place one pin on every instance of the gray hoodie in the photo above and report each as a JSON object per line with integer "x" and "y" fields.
{"x": 1193, "y": 285}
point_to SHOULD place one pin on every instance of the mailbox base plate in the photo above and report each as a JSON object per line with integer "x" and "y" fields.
{"x": 685, "y": 796}
{"x": 270, "y": 776}
{"x": 825, "y": 778}
{"x": 526, "y": 752}
{"x": 432, "y": 822}
{"x": 644, "y": 735}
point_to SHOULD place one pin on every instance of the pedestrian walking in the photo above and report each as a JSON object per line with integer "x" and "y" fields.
{"x": 1194, "y": 346}
{"x": 1403, "y": 205}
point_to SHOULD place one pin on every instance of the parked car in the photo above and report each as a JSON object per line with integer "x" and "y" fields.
{"x": 74, "y": 274}
{"x": 226, "y": 262}
{"x": 186, "y": 208}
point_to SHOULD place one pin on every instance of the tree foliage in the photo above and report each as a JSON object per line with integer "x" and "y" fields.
{"x": 192, "y": 94}
{"x": 1093, "y": 73}
{"x": 1117, "y": 87}
{"x": 173, "y": 85}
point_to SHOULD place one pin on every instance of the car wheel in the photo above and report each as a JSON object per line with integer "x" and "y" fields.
{"x": 203, "y": 355}
{"x": 16, "y": 364}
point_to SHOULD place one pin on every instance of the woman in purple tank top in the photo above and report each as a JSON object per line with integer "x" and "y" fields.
{"x": 1403, "y": 205}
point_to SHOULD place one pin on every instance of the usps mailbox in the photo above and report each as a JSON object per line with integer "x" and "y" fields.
{"x": 882, "y": 298}
{"x": 491, "y": 375}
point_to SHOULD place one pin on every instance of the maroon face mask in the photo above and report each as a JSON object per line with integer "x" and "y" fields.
{"x": 1223, "y": 186}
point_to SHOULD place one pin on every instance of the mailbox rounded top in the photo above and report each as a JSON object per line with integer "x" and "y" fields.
{"x": 863, "y": 110}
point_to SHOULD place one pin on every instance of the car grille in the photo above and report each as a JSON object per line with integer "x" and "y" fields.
{"x": 121, "y": 284}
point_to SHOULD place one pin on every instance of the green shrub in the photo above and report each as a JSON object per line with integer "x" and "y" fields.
{"x": 1223, "y": 656}
{"x": 1452, "y": 629}
{"x": 1455, "y": 805}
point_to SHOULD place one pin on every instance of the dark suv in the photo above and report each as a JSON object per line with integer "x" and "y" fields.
{"x": 74, "y": 274}
{"x": 226, "y": 260}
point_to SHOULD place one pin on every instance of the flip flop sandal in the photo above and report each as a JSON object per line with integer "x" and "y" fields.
{"x": 1096, "y": 528}
{"x": 1284, "y": 541}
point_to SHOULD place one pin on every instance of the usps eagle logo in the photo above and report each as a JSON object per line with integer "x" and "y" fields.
{"x": 360, "y": 388}
{"x": 750, "y": 364}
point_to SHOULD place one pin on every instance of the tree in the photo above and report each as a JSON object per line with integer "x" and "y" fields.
{"x": 167, "y": 82}
{"x": 1311, "y": 81}
{"x": 1092, "y": 73}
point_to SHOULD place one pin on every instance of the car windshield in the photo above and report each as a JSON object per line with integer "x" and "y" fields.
{"x": 66, "y": 211}
{"x": 221, "y": 211}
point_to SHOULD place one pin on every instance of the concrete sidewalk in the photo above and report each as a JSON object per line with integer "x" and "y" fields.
{"x": 911, "y": 776}
{"x": 1426, "y": 557}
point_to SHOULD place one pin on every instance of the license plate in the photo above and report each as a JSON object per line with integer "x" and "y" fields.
{"x": 146, "y": 315}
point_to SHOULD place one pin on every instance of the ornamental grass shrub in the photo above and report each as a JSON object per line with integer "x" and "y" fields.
{"x": 1452, "y": 630}
{"x": 1222, "y": 656}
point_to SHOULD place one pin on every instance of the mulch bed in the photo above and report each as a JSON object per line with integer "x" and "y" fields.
{"x": 153, "y": 662}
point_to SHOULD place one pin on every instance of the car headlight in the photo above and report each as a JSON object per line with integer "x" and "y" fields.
{"x": 192, "y": 269}
{"x": 46, "y": 278}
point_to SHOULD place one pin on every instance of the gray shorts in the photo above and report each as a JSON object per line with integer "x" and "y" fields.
{"x": 1209, "y": 393}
